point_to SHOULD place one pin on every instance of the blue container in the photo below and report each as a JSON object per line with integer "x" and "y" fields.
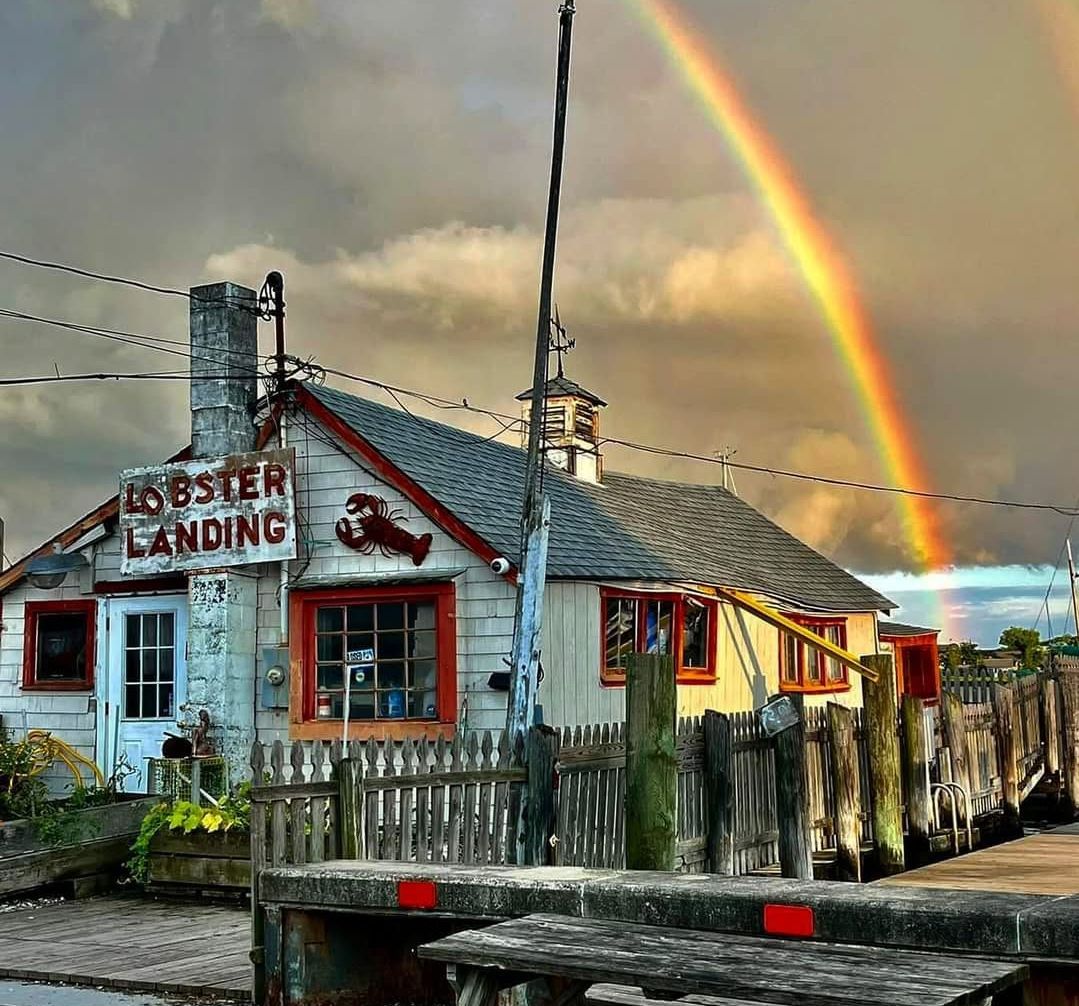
{"x": 395, "y": 704}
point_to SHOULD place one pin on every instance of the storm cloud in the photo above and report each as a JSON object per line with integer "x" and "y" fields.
{"x": 391, "y": 160}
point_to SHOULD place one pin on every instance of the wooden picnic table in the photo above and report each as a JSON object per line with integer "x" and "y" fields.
{"x": 572, "y": 954}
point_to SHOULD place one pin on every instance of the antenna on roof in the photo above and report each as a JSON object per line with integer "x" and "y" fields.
{"x": 724, "y": 457}
{"x": 560, "y": 344}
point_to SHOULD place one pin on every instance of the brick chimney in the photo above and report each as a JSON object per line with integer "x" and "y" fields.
{"x": 222, "y": 605}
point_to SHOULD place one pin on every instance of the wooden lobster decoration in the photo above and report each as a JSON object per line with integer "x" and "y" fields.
{"x": 372, "y": 526}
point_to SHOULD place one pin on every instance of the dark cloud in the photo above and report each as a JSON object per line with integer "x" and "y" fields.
{"x": 392, "y": 160}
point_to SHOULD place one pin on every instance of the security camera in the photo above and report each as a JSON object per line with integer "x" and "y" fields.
{"x": 501, "y": 565}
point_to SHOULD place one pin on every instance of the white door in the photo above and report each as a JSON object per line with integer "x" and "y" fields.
{"x": 147, "y": 680}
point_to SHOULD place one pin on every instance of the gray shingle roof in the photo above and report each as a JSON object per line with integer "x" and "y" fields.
{"x": 562, "y": 385}
{"x": 898, "y": 629}
{"x": 628, "y": 528}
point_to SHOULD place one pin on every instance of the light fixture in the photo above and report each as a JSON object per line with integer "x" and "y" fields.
{"x": 48, "y": 571}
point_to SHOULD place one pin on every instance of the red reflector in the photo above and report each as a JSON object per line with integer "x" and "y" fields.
{"x": 416, "y": 894}
{"x": 788, "y": 920}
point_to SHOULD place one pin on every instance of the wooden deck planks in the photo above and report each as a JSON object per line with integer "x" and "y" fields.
{"x": 131, "y": 943}
{"x": 784, "y": 972}
{"x": 1041, "y": 864}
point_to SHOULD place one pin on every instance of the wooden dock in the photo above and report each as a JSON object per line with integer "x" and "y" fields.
{"x": 125, "y": 942}
{"x": 1039, "y": 864}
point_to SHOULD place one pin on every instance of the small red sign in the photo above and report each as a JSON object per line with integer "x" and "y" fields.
{"x": 788, "y": 920}
{"x": 416, "y": 894}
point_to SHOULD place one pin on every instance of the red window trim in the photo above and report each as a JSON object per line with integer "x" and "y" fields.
{"x": 304, "y": 604}
{"x": 685, "y": 675}
{"x": 31, "y": 611}
{"x": 804, "y": 686}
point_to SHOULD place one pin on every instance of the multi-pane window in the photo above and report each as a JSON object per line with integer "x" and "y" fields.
{"x": 149, "y": 665}
{"x": 805, "y": 668}
{"x": 384, "y": 653}
{"x": 58, "y": 648}
{"x": 677, "y": 625}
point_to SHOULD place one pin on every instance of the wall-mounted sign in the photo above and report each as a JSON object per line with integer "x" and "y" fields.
{"x": 213, "y": 512}
{"x": 373, "y": 525}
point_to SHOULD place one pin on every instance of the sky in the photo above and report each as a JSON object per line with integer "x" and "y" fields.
{"x": 391, "y": 160}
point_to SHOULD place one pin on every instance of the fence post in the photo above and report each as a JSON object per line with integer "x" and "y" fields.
{"x": 651, "y": 763}
{"x": 258, "y": 861}
{"x": 848, "y": 811}
{"x": 1069, "y": 690}
{"x": 955, "y": 740}
{"x": 1008, "y": 746}
{"x": 882, "y": 742}
{"x": 541, "y": 811}
{"x": 719, "y": 792}
{"x": 1050, "y": 724}
{"x": 350, "y": 813}
{"x": 916, "y": 777}
{"x": 792, "y": 798}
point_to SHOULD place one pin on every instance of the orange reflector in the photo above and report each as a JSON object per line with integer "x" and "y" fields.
{"x": 416, "y": 894}
{"x": 788, "y": 920}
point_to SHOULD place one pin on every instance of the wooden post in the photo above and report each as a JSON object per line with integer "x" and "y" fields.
{"x": 1069, "y": 690}
{"x": 651, "y": 763}
{"x": 1050, "y": 724}
{"x": 884, "y": 779}
{"x": 916, "y": 778}
{"x": 1008, "y": 745}
{"x": 848, "y": 810}
{"x": 955, "y": 739}
{"x": 541, "y": 757}
{"x": 258, "y": 861}
{"x": 719, "y": 792}
{"x": 350, "y": 808}
{"x": 792, "y": 798}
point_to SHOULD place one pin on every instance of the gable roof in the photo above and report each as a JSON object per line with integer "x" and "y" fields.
{"x": 898, "y": 630}
{"x": 627, "y": 528}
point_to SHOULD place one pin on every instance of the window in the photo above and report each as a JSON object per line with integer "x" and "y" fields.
{"x": 149, "y": 665}
{"x": 390, "y": 655}
{"x": 58, "y": 646}
{"x": 803, "y": 668}
{"x": 667, "y": 624}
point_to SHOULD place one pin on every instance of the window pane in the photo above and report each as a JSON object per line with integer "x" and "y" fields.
{"x": 330, "y": 620}
{"x": 361, "y": 617}
{"x": 165, "y": 664}
{"x": 149, "y": 701}
{"x": 149, "y": 630}
{"x": 361, "y": 645}
{"x": 131, "y": 702}
{"x": 391, "y": 616}
{"x": 165, "y": 629}
{"x": 659, "y": 619}
{"x": 424, "y": 674}
{"x": 391, "y": 674}
{"x": 789, "y": 658}
{"x": 149, "y": 665}
{"x": 421, "y": 615}
{"x": 330, "y": 676}
{"x": 330, "y": 648}
{"x": 695, "y": 634}
{"x": 392, "y": 704}
{"x": 131, "y": 669}
{"x": 132, "y": 624}
{"x": 362, "y": 706}
{"x": 61, "y": 646}
{"x": 421, "y": 644}
{"x": 421, "y": 705}
{"x": 621, "y": 625}
{"x": 390, "y": 645}
{"x": 166, "y": 694}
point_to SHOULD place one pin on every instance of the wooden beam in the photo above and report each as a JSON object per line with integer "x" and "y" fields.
{"x": 740, "y": 599}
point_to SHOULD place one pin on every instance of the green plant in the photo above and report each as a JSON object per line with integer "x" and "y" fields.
{"x": 232, "y": 813}
{"x": 21, "y": 793}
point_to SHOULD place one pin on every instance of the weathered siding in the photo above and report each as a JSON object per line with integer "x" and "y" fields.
{"x": 325, "y": 477}
{"x": 68, "y": 715}
{"x": 747, "y": 666}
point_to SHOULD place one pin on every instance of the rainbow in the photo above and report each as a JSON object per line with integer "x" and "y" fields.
{"x": 827, "y": 275}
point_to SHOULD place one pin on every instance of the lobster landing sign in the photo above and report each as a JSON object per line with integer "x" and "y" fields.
{"x": 208, "y": 513}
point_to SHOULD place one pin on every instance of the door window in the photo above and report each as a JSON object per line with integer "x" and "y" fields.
{"x": 149, "y": 665}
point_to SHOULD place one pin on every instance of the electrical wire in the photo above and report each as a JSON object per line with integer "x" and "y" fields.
{"x": 125, "y": 281}
{"x": 166, "y": 375}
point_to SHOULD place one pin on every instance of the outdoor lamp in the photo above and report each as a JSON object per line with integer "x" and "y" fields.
{"x": 47, "y": 572}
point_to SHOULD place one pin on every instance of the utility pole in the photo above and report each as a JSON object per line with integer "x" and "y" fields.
{"x": 535, "y": 520}
{"x": 272, "y": 307}
{"x": 1071, "y": 584}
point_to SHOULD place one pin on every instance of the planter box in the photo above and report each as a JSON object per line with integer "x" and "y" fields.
{"x": 220, "y": 862}
{"x": 100, "y": 840}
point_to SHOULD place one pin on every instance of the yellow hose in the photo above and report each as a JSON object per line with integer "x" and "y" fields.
{"x": 47, "y": 750}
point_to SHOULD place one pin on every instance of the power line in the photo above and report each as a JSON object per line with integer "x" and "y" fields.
{"x": 123, "y": 281}
{"x": 449, "y": 404}
{"x": 152, "y": 342}
{"x": 165, "y": 375}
